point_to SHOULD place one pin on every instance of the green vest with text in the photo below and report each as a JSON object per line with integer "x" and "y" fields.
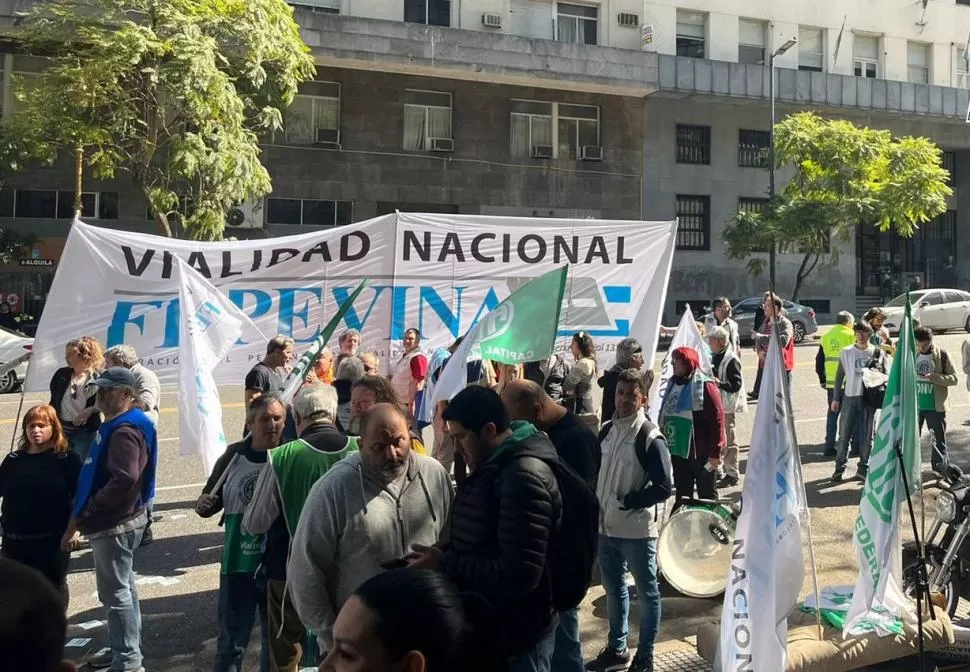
{"x": 838, "y": 337}
{"x": 297, "y": 466}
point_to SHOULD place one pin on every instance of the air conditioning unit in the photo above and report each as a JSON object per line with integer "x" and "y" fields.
{"x": 246, "y": 215}
{"x": 442, "y": 144}
{"x": 492, "y": 20}
{"x": 625, "y": 19}
{"x": 591, "y": 153}
{"x": 542, "y": 151}
{"x": 327, "y": 136}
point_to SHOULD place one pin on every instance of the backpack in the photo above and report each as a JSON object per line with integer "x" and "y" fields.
{"x": 572, "y": 552}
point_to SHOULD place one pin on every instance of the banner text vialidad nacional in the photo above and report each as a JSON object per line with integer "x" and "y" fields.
{"x": 438, "y": 273}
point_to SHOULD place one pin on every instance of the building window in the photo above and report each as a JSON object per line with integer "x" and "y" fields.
{"x": 866, "y": 56}
{"x": 961, "y": 67}
{"x": 691, "y": 33}
{"x": 693, "y": 222}
{"x": 811, "y": 52}
{"x": 751, "y": 41}
{"x": 693, "y": 144}
{"x": 307, "y": 212}
{"x": 576, "y": 23}
{"x": 918, "y": 62}
{"x": 318, "y": 6}
{"x": 50, "y": 204}
{"x": 552, "y": 130}
{"x": 430, "y": 12}
{"x": 427, "y": 118}
{"x": 753, "y": 148}
{"x": 314, "y": 116}
{"x": 752, "y": 206}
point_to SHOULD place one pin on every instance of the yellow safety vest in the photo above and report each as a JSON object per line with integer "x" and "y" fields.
{"x": 838, "y": 337}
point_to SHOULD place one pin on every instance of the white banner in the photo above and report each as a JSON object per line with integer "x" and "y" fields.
{"x": 210, "y": 325}
{"x": 687, "y": 336}
{"x": 767, "y": 568}
{"x": 438, "y": 273}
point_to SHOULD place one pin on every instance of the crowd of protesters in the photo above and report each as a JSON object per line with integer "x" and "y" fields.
{"x": 355, "y": 547}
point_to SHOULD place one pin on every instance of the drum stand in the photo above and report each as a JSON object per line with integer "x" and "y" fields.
{"x": 922, "y": 580}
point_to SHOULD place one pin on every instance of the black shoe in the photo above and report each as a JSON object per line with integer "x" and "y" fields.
{"x": 100, "y": 660}
{"x": 642, "y": 663}
{"x": 610, "y": 661}
{"x": 728, "y": 481}
{"x": 860, "y": 475}
{"x": 752, "y": 398}
{"x": 838, "y": 476}
{"x": 147, "y": 537}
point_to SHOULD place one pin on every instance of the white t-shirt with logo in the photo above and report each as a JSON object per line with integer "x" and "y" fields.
{"x": 854, "y": 362}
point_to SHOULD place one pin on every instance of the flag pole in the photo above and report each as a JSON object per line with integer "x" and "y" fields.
{"x": 789, "y": 411}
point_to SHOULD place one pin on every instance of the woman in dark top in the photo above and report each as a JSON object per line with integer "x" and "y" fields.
{"x": 37, "y": 484}
{"x": 73, "y": 398}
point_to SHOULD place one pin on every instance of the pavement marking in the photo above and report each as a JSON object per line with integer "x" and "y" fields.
{"x": 179, "y": 487}
{"x": 173, "y": 438}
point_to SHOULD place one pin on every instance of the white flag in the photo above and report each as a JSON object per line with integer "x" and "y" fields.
{"x": 687, "y": 336}
{"x": 767, "y": 568}
{"x": 209, "y": 326}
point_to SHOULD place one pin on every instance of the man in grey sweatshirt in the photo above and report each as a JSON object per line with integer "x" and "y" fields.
{"x": 363, "y": 514}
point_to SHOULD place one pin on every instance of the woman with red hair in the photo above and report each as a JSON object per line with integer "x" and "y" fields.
{"x": 37, "y": 485}
{"x": 692, "y": 421}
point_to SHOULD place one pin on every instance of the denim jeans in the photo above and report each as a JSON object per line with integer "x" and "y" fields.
{"x": 115, "y": 578}
{"x": 640, "y": 556}
{"x": 79, "y": 441}
{"x": 241, "y": 597}
{"x": 537, "y": 658}
{"x": 568, "y": 654}
{"x": 936, "y": 421}
{"x": 832, "y": 427}
{"x": 854, "y": 417}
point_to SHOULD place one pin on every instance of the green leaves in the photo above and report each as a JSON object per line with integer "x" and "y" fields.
{"x": 842, "y": 175}
{"x": 170, "y": 93}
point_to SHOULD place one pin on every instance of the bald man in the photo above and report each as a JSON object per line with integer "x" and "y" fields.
{"x": 576, "y": 443}
{"x": 363, "y": 515}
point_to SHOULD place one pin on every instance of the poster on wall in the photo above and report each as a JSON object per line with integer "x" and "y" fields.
{"x": 437, "y": 273}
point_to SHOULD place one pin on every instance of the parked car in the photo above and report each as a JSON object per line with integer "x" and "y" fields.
{"x": 13, "y": 345}
{"x": 802, "y": 318}
{"x": 938, "y": 309}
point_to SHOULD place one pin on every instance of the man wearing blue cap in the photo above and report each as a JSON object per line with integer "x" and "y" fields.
{"x": 117, "y": 481}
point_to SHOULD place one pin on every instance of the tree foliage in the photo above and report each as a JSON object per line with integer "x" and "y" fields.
{"x": 843, "y": 175}
{"x": 173, "y": 93}
{"x": 15, "y": 245}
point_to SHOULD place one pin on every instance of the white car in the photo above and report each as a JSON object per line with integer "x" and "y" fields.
{"x": 938, "y": 309}
{"x": 13, "y": 346}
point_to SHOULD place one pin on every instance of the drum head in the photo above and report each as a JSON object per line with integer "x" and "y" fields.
{"x": 694, "y": 550}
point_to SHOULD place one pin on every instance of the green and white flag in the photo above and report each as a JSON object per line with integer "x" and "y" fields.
{"x": 878, "y": 594}
{"x": 520, "y": 329}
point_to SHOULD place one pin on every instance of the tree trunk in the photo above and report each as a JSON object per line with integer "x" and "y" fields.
{"x": 161, "y": 218}
{"x": 804, "y": 270}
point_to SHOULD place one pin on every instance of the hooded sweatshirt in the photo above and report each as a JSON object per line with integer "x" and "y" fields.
{"x": 352, "y": 524}
{"x": 608, "y": 382}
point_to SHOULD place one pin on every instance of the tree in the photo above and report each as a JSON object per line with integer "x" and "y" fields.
{"x": 843, "y": 175}
{"x": 173, "y": 93}
{"x": 14, "y": 245}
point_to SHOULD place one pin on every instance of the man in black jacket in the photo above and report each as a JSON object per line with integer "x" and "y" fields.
{"x": 504, "y": 519}
{"x": 578, "y": 447}
{"x": 629, "y": 355}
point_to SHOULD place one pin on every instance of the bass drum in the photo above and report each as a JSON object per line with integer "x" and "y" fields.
{"x": 694, "y": 549}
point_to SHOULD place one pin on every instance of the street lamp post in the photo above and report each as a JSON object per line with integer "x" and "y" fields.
{"x": 771, "y": 145}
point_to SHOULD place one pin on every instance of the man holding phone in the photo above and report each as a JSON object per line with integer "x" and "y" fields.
{"x": 362, "y": 517}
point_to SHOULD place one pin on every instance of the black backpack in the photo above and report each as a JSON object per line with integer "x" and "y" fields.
{"x": 572, "y": 552}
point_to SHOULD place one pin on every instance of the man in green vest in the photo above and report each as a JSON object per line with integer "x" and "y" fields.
{"x": 280, "y": 494}
{"x": 826, "y": 364}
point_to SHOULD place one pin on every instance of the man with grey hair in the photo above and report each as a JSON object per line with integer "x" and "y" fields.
{"x": 349, "y": 371}
{"x": 629, "y": 355}
{"x": 720, "y": 316}
{"x": 147, "y": 387}
{"x": 278, "y": 501}
{"x": 726, "y": 368}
